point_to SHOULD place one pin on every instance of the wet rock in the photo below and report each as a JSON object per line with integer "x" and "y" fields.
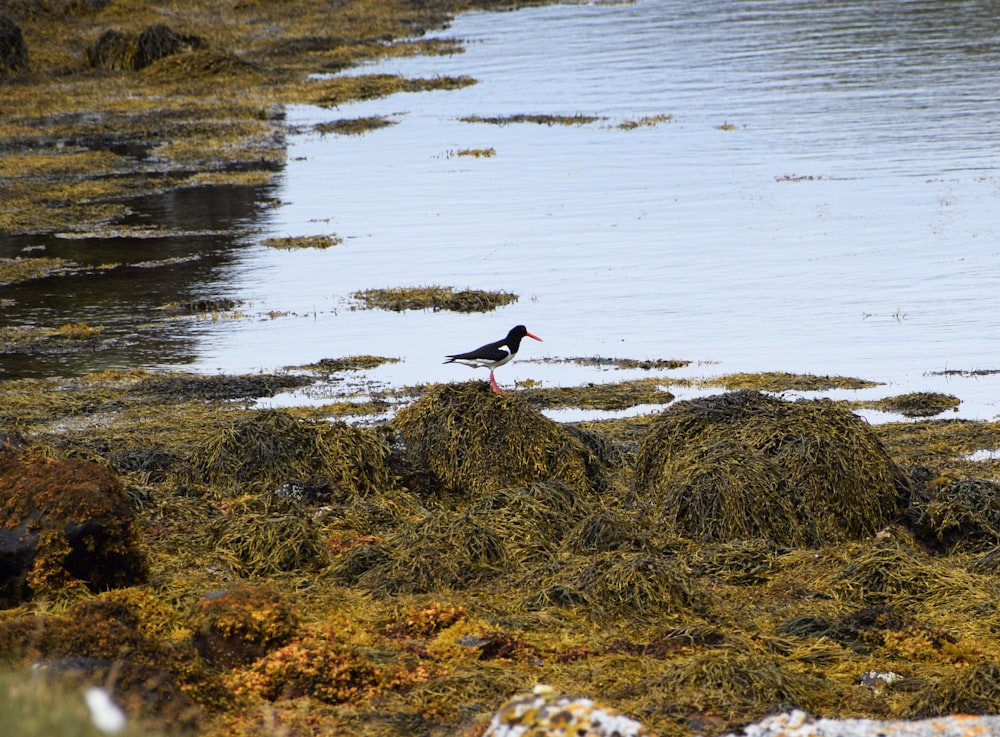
{"x": 63, "y": 523}
{"x": 13, "y": 49}
{"x": 311, "y": 491}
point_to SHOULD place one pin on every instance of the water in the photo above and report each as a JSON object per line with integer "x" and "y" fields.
{"x": 823, "y": 201}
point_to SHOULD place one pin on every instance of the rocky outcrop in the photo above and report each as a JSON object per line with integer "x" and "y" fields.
{"x": 63, "y": 523}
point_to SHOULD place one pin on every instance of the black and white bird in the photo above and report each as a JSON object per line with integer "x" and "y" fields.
{"x": 493, "y": 355}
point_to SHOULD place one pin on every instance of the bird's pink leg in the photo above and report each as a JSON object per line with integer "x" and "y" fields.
{"x": 494, "y": 386}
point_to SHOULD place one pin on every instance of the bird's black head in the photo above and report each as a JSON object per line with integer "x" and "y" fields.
{"x": 516, "y": 334}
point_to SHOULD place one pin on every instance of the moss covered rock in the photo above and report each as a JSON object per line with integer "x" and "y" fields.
{"x": 63, "y": 524}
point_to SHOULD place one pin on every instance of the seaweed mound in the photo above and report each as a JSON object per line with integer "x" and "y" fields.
{"x": 475, "y": 441}
{"x": 268, "y": 447}
{"x": 963, "y": 516}
{"x": 119, "y": 51}
{"x": 748, "y": 465}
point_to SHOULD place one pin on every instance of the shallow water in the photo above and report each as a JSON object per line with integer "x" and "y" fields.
{"x": 823, "y": 201}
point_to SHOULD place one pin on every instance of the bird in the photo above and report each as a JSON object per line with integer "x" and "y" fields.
{"x": 493, "y": 355}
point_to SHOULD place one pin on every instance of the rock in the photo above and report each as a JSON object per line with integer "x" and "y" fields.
{"x": 545, "y": 712}
{"x": 13, "y": 50}
{"x": 798, "y": 724}
{"x": 63, "y": 523}
{"x": 236, "y": 626}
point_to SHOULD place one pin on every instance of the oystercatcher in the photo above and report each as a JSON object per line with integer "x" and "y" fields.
{"x": 493, "y": 355}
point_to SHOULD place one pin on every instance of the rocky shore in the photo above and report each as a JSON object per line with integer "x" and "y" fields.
{"x": 418, "y": 562}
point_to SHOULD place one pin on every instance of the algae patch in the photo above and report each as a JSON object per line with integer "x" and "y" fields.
{"x": 647, "y": 121}
{"x": 436, "y": 298}
{"x": 354, "y": 126}
{"x": 616, "y": 396}
{"x": 778, "y": 381}
{"x": 289, "y": 243}
{"x": 14, "y": 270}
{"x": 69, "y": 336}
{"x": 542, "y": 119}
{"x": 917, "y": 404}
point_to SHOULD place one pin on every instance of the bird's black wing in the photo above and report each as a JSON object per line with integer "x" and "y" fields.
{"x": 488, "y": 352}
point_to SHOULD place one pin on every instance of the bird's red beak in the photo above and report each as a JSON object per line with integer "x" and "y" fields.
{"x": 533, "y": 336}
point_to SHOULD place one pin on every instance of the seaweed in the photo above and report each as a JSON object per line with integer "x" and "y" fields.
{"x": 972, "y": 690}
{"x": 289, "y": 243}
{"x": 442, "y": 551}
{"x": 262, "y": 537}
{"x": 434, "y": 298}
{"x": 747, "y": 465}
{"x": 267, "y": 447}
{"x": 777, "y": 381}
{"x": 616, "y": 396}
{"x": 961, "y": 516}
{"x": 741, "y": 682}
{"x": 354, "y": 126}
{"x": 543, "y": 119}
{"x": 476, "y": 441}
{"x": 917, "y": 404}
